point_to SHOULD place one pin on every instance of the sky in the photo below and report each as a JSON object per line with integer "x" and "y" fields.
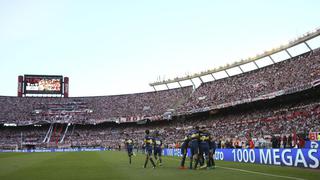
{"x": 119, "y": 47}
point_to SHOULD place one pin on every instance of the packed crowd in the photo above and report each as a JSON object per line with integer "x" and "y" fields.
{"x": 229, "y": 129}
{"x": 267, "y": 127}
{"x": 15, "y": 137}
{"x": 29, "y": 110}
{"x": 295, "y": 72}
{"x": 138, "y": 105}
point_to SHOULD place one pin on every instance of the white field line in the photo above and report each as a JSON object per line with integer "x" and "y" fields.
{"x": 253, "y": 172}
{"x": 260, "y": 173}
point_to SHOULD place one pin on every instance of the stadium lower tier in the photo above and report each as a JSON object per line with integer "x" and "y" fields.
{"x": 280, "y": 122}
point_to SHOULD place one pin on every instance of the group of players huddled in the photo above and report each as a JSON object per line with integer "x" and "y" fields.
{"x": 202, "y": 149}
{"x": 198, "y": 140}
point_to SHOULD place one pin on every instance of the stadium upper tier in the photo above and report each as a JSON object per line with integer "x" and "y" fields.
{"x": 302, "y": 40}
{"x": 296, "y": 74}
{"x": 122, "y": 108}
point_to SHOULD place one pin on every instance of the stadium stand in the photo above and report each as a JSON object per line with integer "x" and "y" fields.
{"x": 285, "y": 104}
{"x": 130, "y": 107}
{"x": 297, "y": 72}
{"x": 231, "y": 127}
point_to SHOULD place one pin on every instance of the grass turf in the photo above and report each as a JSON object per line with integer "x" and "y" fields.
{"x": 114, "y": 165}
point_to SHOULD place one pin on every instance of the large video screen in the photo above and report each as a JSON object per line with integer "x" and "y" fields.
{"x": 42, "y": 84}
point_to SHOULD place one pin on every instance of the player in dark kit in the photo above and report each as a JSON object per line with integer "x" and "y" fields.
{"x": 157, "y": 148}
{"x": 129, "y": 146}
{"x": 212, "y": 151}
{"x": 204, "y": 146}
{"x": 194, "y": 146}
{"x": 184, "y": 151}
{"x": 148, "y": 141}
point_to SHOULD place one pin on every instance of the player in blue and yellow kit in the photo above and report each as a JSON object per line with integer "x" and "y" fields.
{"x": 184, "y": 150}
{"x": 194, "y": 146}
{"x": 212, "y": 151}
{"x": 157, "y": 148}
{"x": 148, "y": 141}
{"x": 204, "y": 146}
{"x": 129, "y": 146}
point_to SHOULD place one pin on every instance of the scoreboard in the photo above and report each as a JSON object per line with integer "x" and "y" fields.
{"x": 39, "y": 84}
{"x": 43, "y": 84}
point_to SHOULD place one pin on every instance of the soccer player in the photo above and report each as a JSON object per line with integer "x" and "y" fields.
{"x": 129, "y": 146}
{"x": 212, "y": 151}
{"x": 148, "y": 140}
{"x": 157, "y": 148}
{"x": 204, "y": 146}
{"x": 184, "y": 151}
{"x": 194, "y": 146}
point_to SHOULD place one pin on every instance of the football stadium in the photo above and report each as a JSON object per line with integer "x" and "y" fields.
{"x": 255, "y": 118}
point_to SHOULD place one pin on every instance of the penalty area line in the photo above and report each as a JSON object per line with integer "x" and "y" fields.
{"x": 253, "y": 172}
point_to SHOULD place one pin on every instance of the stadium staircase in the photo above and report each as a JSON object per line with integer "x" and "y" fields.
{"x": 64, "y": 134}
{"x": 56, "y": 134}
{"x": 48, "y": 134}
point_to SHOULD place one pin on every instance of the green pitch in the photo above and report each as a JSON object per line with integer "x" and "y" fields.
{"x": 115, "y": 166}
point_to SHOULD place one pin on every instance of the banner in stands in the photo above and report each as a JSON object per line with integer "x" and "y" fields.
{"x": 308, "y": 158}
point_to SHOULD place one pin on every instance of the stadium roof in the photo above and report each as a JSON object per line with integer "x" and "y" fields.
{"x": 299, "y": 40}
